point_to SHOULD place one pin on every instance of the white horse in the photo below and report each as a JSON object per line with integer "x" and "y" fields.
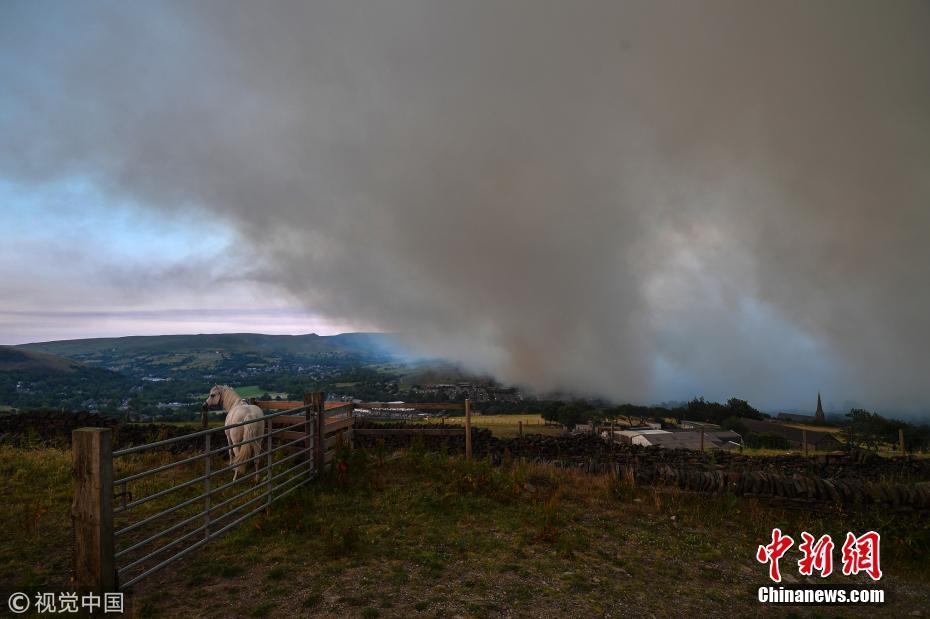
{"x": 238, "y": 410}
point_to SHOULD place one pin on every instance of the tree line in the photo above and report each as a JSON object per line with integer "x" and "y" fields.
{"x": 861, "y": 428}
{"x": 865, "y": 429}
{"x": 577, "y": 412}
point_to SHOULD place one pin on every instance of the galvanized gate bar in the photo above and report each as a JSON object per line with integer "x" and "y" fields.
{"x": 211, "y": 536}
{"x": 206, "y": 512}
{"x": 190, "y": 501}
{"x": 219, "y": 450}
{"x": 191, "y": 533}
{"x": 303, "y": 433}
{"x": 176, "y": 439}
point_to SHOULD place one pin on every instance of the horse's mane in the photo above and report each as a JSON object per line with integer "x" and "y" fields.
{"x": 225, "y": 391}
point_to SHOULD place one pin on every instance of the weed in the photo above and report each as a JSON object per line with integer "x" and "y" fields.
{"x": 312, "y": 600}
{"x": 623, "y": 486}
{"x": 353, "y": 600}
{"x": 263, "y": 610}
{"x": 231, "y": 571}
{"x": 148, "y": 605}
{"x": 342, "y": 539}
{"x": 196, "y": 580}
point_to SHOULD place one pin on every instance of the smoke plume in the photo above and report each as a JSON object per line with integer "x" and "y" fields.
{"x": 626, "y": 199}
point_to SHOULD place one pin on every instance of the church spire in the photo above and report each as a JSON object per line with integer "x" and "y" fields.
{"x": 819, "y": 417}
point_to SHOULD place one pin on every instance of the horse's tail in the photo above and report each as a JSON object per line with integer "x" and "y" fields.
{"x": 250, "y": 449}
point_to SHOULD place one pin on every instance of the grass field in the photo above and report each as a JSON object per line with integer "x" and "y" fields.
{"x": 811, "y": 427}
{"x": 507, "y": 426}
{"x": 424, "y": 535}
{"x": 250, "y": 391}
{"x": 766, "y": 451}
{"x": 255, "y": 391}
{"x": 886, "y": 450}
{"x": 40, "y": 478}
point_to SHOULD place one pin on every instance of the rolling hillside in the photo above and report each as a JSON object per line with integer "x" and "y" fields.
{"x": 30, "y": 379}
{"x": 17, "y": 360}
{"x": 212, "y": 352}
{"x": 155, "y": 374}
{"x": 310, "y": 344}
{"x": 167, "y": 375}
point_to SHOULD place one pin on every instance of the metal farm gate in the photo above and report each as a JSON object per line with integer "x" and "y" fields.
{"x": 140, "y": 509}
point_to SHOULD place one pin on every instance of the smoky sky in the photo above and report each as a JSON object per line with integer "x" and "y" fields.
{"x": 638, "y": 200}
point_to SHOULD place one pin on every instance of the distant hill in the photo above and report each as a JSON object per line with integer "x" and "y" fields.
{"x": 169, "y": 374}
{"x": 30, "y": 379}
{"x": 17, "y": 360}
{"x": 229, "y": 343}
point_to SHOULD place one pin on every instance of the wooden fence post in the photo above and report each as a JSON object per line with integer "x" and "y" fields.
{"x": 92, "y": 510}
{"x": 318, "y": 400}
{"x": 520, "y": 426}
{"x": 901, "y": 440}
{"x": 804, "y": 439}
{"x": 702, "y": 438}
{"x": 468, "y": 429}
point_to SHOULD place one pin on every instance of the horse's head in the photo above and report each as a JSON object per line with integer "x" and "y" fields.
{"x": 215, "y": 399}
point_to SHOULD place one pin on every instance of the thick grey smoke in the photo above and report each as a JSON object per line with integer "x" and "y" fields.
{"x": 607, "y": 197}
